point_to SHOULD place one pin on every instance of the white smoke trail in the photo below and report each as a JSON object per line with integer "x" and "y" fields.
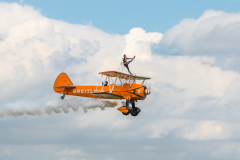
{"x": 20, "y": 108}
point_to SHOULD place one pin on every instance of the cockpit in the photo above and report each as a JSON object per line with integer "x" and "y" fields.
{"x": 105, "y": 83}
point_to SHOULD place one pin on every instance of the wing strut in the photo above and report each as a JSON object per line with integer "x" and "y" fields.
{"x": 99, "y": 81}
{"x": 109, "y": 84}
{"x": 114, "y": 84}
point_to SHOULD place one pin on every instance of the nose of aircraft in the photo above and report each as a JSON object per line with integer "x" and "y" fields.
{"x": 148, "y": 91}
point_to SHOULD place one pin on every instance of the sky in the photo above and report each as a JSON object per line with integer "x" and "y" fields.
{"x": 118, "y": 17}
{"x": 189, "y": 49}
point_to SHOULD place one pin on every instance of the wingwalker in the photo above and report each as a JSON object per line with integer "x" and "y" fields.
{"x": 117, "y": 85}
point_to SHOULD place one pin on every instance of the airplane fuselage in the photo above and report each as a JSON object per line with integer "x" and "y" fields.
{"x": 135, "y": 91}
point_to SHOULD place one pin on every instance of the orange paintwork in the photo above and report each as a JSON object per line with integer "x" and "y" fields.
{"x": 123, "y": 109}
{"x": 136, "y": 91}
{"x": 62, "y": 80}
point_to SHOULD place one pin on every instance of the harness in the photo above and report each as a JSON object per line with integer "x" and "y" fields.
{"x": 125, "y": 62}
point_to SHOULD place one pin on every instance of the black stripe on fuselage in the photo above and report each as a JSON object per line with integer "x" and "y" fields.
{"x": 134, "y": 90}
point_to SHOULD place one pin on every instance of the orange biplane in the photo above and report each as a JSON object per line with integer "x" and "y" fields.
{"x": 126, "y": 88}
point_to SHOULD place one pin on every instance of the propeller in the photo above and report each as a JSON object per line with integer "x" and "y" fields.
{"x": 147, "y": 90}
{"x": 144, "y": 93}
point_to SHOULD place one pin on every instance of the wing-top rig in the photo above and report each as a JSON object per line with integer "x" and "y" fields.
{"x": 117, "y": 85}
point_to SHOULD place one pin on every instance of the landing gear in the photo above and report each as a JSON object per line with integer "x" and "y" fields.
{"x": 134, "y": 110}
{"x": 127, "y": 105}
{"x": 62, "y": 97}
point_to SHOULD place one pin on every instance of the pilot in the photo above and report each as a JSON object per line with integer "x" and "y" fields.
{"x": 106, "y": 83}
{"x": 125, "y": 62}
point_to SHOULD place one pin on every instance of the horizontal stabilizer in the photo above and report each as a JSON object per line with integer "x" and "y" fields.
{"x": 107, "y": 95}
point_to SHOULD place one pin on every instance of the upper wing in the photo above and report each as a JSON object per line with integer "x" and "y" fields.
{"x": 123, "y": 75}
{"x": 107, "y": 95}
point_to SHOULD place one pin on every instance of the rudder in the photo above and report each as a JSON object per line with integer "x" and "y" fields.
{"x": 62, "y": 80}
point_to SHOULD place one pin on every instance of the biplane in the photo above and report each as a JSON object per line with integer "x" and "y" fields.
{"x": 117, "y": 85}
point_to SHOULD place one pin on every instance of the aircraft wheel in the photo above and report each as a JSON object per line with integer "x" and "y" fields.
{"x": 125, "y": 113}
{"x": 62, "y": 97}
{"x": 135, "y": 111}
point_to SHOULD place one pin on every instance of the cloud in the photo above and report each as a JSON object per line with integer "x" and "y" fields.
{"x": 6, "y": 151}
{"x": 206, "y": 130}
{"x": 231, "y": 150}
{"x": 138, "y": 43}
{"x": 69, "y": 152}
{"x": 109, "y": 119}
{"x": 214, "y": 33}
{"x": 162, "y": 128}
{"x": 33, "y": 45}
{"x": 147, "y": 148}
{"x": 189, "y": 129}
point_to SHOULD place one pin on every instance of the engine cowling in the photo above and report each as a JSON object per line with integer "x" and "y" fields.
{"x": 146, "y": 92}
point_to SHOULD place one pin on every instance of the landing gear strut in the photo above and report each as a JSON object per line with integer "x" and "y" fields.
{"x": 62, "y": 97}
{"x": 135, "y": 110}
{"x": 127, "y": 105}
{"x": 129, "y": 108}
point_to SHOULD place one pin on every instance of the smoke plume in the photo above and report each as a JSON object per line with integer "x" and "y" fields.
{"x": 20, "y": 108}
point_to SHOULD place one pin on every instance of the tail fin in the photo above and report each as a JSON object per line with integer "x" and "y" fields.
{"x": 62, "y": 80}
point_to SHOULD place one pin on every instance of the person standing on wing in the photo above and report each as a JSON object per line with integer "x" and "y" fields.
{"x": 125, "y": 62}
